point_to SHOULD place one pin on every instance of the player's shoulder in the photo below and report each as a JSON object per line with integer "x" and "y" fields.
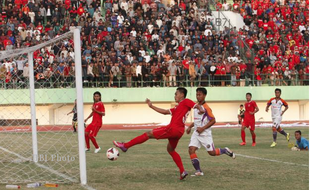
{"x": 283, "y": 101}
{"x": 271, "y": 99}
{"x": 206, "y": 106}
{"x": 99, "y": 103}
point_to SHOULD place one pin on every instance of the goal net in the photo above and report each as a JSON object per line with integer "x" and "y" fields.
{"x": 38, "y": 89}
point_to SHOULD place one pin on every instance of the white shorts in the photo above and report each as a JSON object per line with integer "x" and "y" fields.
{"x": 202, "y": 140}
{"x": 276, "y": 122}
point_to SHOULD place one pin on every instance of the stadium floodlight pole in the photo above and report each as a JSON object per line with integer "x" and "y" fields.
{"x": 33, "y": 109}
{"x": 80, "y": 107}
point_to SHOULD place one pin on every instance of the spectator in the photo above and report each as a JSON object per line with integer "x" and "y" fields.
{"x": 172, "y": 74}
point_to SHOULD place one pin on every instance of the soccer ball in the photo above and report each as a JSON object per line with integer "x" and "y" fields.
{"x": 112, "y": 154}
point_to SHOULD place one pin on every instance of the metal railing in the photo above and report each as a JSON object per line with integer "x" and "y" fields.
{"x": 121, "y": 81}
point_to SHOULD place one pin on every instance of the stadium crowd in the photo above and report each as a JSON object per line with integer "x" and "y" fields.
{"x": 149, "y": 43}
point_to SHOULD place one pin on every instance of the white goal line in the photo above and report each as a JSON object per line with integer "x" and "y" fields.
{"x": 47, "y": 168}
{"x": 271, "y": 160}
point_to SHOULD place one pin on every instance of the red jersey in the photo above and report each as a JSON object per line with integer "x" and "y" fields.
{"x": 97, "y": 118}
{"x": 249, "y": 107}
{"x": 179, "y": 113}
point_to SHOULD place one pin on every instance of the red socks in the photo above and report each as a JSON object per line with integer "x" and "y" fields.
{"x": 87, "y": 141}
{"x": 93, "y": 140}
{"x": 177, "y": 159}
{"x": 253, "y": 137}
{"x": 243, "y": 135}
{"x": 138, "y": 140}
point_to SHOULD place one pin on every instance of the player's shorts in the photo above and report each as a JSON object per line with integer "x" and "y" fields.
{"x": 202, "y": 140}
{"x": 276, "y": 122}
{"x": 249, "y": 123}
{"x": 75, "y": 123}
{"x": 242, "y": 116}
{"x": 93, "y": 129}
{"x": 167, "y": 132}
{"x": 74, "y": 117}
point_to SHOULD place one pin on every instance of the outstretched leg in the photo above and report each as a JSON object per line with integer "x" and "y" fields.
{"x": 138, "y": 140}
{"x": 220, "y": 151}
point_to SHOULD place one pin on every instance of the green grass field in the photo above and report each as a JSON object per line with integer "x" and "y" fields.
{"x": 149, "y": 166}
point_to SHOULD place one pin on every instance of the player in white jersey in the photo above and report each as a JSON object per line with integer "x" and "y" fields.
{"x": 202, "y": 135}
{"x": 276, "y": 104}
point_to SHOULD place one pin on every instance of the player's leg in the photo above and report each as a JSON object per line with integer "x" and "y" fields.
{"x": 88, "y": 130}
{"x": 287, "y": 135}
{"x": 239, "y": 120}
{"x": 274, "y": 135}
{"x": 207, "y": 142}
{"x": 193, "y": 146}
{"x": 87, "y": 140}
{"x": 253, "y": 137}
{"x": 74, "y": 124}
{"x": 195, "y": 160}
{"x": 280, "y": 130}
{"x": 243, "y": 134}
{"x": 138, "y": 140}
{"x": 252, "y": 129}
{"x": 92, "y": 136}
{"x": 172, "y": 144}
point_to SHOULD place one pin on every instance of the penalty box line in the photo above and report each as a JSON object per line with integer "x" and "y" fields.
{"x": 271, "y": 160}
{"x": 47, "y": 168}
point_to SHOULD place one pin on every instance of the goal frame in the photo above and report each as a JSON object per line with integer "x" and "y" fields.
{"x": 79, "y": 97}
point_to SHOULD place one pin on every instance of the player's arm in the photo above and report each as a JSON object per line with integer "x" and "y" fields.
{"x": 208, "y": 125}
{"x": 267, "y": 107}
{"x": 286, "y": 107}
{"x": 70, "y": 112}
{"x": 90, "y": 115}
{"x": 256, "y": 110}
{"x": 159, "y": 110}
{"x": 304, "y": 149}
{"x": 211, "y": 122}
{"x": 189, "y": 128}
{"x": 199, "y": 107}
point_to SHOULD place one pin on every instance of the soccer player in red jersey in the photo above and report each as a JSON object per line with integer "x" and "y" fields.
{"x": 92, "y": 129}
{"x": 173, "y": 131}
{"x": 249, "y": 119}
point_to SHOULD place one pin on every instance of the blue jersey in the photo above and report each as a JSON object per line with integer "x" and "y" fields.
{"x": 303, "y": 143}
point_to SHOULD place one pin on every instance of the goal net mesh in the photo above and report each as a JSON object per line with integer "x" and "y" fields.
{"x": 57, "y": 160}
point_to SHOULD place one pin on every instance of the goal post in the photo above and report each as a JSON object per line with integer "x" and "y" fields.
{"x": 33, "y": 109}
{"x": 38, "y": 88}
{"x": 80, "y": 106}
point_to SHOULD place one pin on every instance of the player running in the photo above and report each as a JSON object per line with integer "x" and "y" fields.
{"x": 92, "y": 129}
{"x": 173, "y": 131}
{"x": 276, "y": 114}
{"x": 202, "y": 136}
{"x": 249, "y": 119}
{"x": 74, "y": 119}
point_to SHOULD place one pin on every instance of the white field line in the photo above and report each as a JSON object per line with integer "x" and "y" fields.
{"x": 271, "y": 160}
{"x": 228, "y": 125}
{"x": 47, "y": 168}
